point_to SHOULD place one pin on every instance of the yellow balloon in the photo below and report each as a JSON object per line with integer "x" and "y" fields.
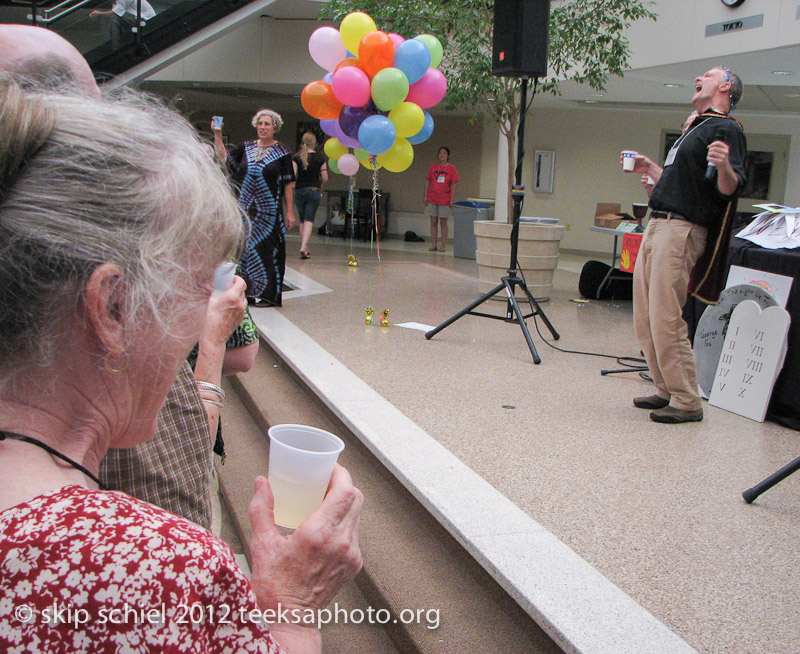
{"x": 399, "y": 157}
{"x": 408, "y": 118}
{"x": 353, "y": 28}
{"x": 334, "y": 149}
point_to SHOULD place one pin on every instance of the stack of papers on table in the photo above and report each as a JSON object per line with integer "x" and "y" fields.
{"x": 776, "y": 227}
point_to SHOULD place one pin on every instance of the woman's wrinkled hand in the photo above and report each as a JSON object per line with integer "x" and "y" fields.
{"x": 306, "y": 569}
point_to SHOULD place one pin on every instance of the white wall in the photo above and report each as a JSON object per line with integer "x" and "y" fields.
{"x": 587, "y": 143}
{"x": 679, "y": 33}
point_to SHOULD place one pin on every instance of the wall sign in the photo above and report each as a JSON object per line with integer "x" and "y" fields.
{"x": 544, "y": 167}
{"x": 748, "y": 23}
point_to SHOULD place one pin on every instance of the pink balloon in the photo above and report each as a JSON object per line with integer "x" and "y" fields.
{"x": 326, "y": 48}
{"x": 429, "y": 89}
{"x": 348, "y": 164}
{"x": 396, "y": 39}
{"x": 351, "y": 86}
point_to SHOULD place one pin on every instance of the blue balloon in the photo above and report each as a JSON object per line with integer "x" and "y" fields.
{"x": 425, "y": 133}
{"x": 412, "y": 57}
{"x": 377, "y": 134}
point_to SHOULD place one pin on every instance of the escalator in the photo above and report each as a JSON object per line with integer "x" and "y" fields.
{"x": 175, "y": 21}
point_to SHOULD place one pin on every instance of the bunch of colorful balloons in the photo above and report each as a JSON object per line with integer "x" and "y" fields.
{"x": 372, "y": 99}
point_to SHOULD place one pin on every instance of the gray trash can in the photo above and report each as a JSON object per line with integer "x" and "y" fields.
{"x": 464, "y": 214}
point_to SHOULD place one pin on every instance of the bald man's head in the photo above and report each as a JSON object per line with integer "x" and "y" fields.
{"x": 42, "y": 58}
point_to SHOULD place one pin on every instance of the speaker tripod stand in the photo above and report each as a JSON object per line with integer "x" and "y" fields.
{"x": 752, "y": 493}
{"x": 511, "y": 280}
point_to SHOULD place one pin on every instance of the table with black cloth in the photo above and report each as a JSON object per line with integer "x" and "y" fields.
{"x": 784, "y": 407}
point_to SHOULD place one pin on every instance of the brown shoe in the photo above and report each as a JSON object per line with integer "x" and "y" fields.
{"x": 432, "y": 249}
{"x": 650, "y": 402}
{"x": 672, "y": 416}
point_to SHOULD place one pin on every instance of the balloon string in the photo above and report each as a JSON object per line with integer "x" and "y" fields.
{"x": 351, "y": 213}
{"x": 375, "y": 195}
{"x": 375, "y": 221}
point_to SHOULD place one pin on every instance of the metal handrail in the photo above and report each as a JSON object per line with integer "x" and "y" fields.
{"x": 49, "y": 19}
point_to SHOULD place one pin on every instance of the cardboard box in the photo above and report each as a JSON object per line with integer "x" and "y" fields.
{"x": 608, "y": 214}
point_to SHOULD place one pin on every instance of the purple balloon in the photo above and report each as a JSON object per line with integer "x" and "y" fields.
{"x": 344, "y": 139}
{"x": 350, "y": 119}
{"x": 327, "y": 77}
{"x": 328, "y": 126}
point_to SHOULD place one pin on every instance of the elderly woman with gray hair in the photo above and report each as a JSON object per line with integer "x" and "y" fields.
{"x": 263, "y": 169}
{"x": 112, "y": 222}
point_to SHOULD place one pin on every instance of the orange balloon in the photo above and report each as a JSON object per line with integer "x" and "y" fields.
{"x": 318, "y": 100}
{"x": 351, "y": 62}
{"x": 376, "y": 52}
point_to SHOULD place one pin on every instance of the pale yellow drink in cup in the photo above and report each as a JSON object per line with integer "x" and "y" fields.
{"x": 628, "y": 160}
{"x": 301, "y": 461}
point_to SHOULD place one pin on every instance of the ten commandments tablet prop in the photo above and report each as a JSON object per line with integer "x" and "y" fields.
{"x": 751, "y": 358}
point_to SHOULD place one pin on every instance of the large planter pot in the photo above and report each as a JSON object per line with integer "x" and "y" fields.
{"x": 537, "y": 254}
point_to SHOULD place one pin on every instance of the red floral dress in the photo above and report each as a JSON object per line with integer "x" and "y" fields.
{"x": 84, "y": 571}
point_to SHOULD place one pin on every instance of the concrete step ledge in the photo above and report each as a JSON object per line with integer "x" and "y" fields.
{"x": 412, "y": 565}
{"x": 575, "y": 605}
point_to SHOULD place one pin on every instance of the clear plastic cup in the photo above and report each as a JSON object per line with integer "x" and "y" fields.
{"x": 301, "y": 461}
{"x": 217, "y": 120}
{"x": 223, "y": 278}
{"x": 628, "y": 160}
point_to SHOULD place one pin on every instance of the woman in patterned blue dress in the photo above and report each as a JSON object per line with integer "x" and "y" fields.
{"x": 263, "y": 168}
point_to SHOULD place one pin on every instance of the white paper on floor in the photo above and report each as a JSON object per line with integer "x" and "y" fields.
{"x": 752, "y": 357}
{"x": 415, "y": 325}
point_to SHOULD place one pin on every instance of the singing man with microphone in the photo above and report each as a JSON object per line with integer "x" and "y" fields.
{"x": 685, "y": 246}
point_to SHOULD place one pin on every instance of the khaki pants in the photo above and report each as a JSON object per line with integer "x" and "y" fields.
{"x": 669, "y": 250}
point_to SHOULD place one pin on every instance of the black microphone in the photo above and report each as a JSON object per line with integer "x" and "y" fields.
{"x": 711, "y": 169}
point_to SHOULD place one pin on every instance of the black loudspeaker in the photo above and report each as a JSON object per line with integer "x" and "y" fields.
{"x": 592, "y": 275}
{"x": 521, "y": 28}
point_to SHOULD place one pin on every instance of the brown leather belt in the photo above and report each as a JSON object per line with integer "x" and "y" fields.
{"x": 667, "y": 214}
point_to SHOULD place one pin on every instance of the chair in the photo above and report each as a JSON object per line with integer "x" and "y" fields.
{"x": 361, "y": 224}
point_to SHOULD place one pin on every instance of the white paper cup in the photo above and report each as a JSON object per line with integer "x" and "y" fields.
{"x": 301, "y": 461}
{"x": 223, "y": 278}
{"x": 217, "y": 120}
{"x": 627, "y": 160}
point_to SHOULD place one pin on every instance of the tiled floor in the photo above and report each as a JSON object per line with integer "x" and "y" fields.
{"x": 656, "y": 508}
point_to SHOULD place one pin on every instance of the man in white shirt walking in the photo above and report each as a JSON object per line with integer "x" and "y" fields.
{"x": 124, "y": 19}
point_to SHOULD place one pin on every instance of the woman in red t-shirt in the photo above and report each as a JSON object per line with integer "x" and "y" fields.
{"x": 440, "y": 189}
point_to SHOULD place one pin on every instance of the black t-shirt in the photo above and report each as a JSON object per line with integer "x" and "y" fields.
{"x": 310, "y": 176}
{"x": 683, "y": 187}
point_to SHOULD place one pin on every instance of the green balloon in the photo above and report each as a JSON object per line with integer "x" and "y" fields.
{"x": 389, "y": 88}
{"x": 333, "y": 166}
{"x": 434, "y": 46}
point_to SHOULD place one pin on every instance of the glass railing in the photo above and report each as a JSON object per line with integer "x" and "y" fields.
{"x": 131, "y": 44}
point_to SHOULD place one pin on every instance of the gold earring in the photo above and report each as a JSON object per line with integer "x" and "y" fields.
{"x": 123, "y": 365}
